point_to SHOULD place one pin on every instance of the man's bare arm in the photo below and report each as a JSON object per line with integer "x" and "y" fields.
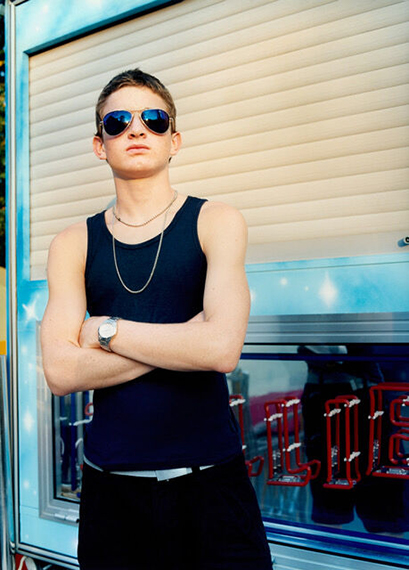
{"x": 214, "y": 343}
{"x": 68, "y": 367}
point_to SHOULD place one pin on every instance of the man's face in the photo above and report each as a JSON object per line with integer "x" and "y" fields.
{"x": 137, "y": 152}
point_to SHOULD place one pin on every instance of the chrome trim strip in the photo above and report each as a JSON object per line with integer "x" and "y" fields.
{"x": 329, "y": 329}
{"x": 50, "y": 556}
{"x": 12, "y": 250}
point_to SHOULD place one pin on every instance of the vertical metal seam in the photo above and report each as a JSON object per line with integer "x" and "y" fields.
{"x": 12, "y": 254}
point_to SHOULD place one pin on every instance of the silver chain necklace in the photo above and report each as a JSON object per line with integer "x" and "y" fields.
{"x": 150, "y": 219}
{"x": 166, "y": 212}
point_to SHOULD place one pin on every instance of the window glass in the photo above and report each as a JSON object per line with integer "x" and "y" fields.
{"x": 326, "y": 435}
{"x": 71, "y": 414}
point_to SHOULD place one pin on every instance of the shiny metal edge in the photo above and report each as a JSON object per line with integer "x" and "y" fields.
{"x": 368, "y": 328}
{"x": 12, "y": 249}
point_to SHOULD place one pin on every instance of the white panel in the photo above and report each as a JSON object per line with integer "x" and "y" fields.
{"x": 294, "y": 111}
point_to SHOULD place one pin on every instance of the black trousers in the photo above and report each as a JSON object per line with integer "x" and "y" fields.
{"x": 208, "y": 520}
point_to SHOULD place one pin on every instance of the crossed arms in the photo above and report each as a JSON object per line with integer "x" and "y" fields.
{"x": 72, "y": 358}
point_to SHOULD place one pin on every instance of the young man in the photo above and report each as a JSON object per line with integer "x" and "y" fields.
{"x": 162, "y": 278}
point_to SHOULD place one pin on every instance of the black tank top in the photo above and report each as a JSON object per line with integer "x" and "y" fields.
{"x": 164, "y": 419}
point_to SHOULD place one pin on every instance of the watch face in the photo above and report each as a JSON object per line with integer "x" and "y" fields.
{"x": 107, "y": 329}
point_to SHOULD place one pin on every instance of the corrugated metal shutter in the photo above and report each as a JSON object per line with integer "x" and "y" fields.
{"x": 294, "y": 111}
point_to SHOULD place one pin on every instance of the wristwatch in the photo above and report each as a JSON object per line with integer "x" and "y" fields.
{"x": 106, "y": 332}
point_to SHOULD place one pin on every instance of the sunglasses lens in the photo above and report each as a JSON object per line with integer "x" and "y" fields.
{"x": 156, "y": 120}
{"x": 116, "y": 122}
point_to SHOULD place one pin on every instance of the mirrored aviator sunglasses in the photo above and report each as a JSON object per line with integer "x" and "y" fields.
{"x": 116, "y": 122}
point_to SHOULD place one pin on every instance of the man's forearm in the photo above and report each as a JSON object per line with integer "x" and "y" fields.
{"x": 185, "y": 346}
{"x": 74, "y": 369}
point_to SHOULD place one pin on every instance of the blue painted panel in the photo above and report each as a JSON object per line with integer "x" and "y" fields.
{"x": 31, "y": 303}
{"x": 50, "y": 535}
{"x": 22, "y": 172}
{"x": 42, "y": 23}
{"x": 369, "y": 284}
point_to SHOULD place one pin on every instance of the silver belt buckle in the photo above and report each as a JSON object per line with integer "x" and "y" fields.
{"x": 166, "y": 474}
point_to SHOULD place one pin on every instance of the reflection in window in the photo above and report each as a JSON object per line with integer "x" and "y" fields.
{"x": 326, "y": 436}
{"x": 71, "y": 414}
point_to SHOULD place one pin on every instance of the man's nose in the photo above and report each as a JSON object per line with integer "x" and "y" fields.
{"x": 136, "y": 128}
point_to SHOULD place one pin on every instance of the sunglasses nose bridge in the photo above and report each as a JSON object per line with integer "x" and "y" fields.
{"x": 136, "y": 125}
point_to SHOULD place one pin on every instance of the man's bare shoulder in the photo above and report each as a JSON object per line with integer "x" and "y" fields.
{"x": 71, "y": 242}
{"x": 220, "y": 226}
{"x": 221, "y": 216}
{"x": 214, "y": 212}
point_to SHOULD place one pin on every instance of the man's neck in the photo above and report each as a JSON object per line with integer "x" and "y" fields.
{"x": 137, "y": 200}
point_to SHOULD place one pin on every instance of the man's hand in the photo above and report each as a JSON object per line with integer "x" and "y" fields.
{"x": 89, "y": 332}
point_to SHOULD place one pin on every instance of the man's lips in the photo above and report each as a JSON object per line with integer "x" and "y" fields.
{"x": 137, "y": 147}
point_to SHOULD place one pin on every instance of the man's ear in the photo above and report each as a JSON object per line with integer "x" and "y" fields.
{"x": 175, "y": 144}
{"x": 99, "y": 148}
